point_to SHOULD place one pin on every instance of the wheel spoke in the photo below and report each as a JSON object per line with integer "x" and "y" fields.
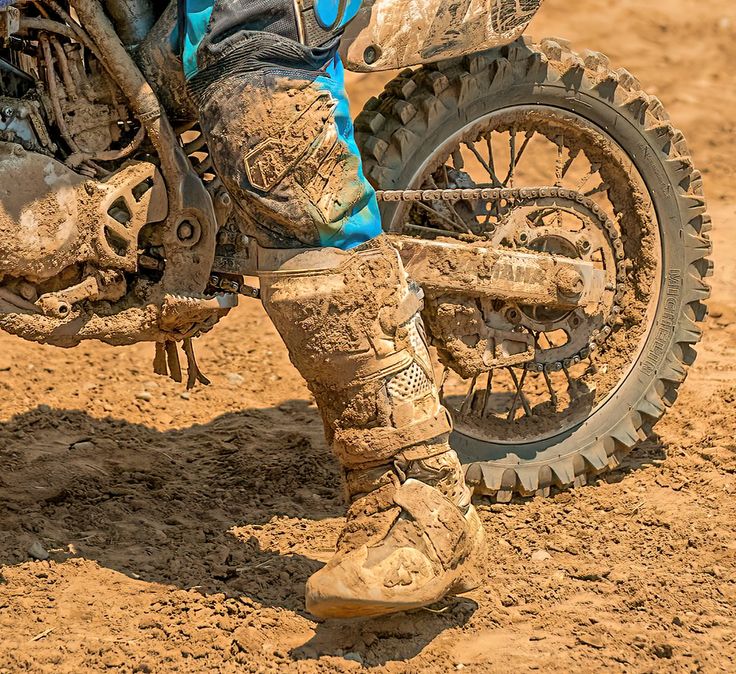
{"x": 547, "y": 378}
{"x": 487, "y": 395}
{"x": 463, "y": 224}
{"x": 509, "y": 182}
{"x": 524, "y": 145}
{"x": 559, "y": 163}
{"x": 550, "y": 388}
{"x": 489, "y": 145}
{"x": 572, "y": 156}
{"x": 449, "y": 205}
{"x": 519, "y": 396}
{"x": 597, "y": 190}
{"x": 468, "y": 401}
{"x": 492, "y": 166}
{"x": 491, "y": 173}
{"x": 559, "y": 174}
{"x": 444, "y": 219}
{"x": 594, "y": 168}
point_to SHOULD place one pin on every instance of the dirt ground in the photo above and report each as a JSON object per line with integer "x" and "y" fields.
{"x": 181, "y": 528}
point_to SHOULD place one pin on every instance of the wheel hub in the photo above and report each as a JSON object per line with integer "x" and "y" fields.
{"x": 577, "y": 233}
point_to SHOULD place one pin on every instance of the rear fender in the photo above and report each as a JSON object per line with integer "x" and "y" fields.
{"x": 392, "y": 34}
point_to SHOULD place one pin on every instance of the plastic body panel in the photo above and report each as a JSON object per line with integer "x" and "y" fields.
{"x": 391, "y": 34}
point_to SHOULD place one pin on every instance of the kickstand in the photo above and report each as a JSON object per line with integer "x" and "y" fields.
{"x": 159, "y": 360}
{"x": 166, "y": 361}
{"x": 172, "y": 358}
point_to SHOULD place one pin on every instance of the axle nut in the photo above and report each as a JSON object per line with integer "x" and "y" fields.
{"x": 569, "y": 282}
{"x": 513, "y": 316}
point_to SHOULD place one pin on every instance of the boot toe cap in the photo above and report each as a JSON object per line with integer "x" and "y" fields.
{"x": 351, "y": 586}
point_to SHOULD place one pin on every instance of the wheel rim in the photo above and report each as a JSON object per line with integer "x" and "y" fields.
{"x": 577, "y": 154}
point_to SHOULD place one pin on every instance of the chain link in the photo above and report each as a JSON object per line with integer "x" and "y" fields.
{"x": 515, "y": 198}
{"x": 232, "y": 286}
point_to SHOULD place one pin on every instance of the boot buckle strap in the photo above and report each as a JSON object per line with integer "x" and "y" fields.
{"x": 373, "y": 446}
{"x": 440, "y": 520}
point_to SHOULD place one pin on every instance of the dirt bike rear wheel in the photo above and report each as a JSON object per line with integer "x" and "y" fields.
{"x": 417, "y": 135}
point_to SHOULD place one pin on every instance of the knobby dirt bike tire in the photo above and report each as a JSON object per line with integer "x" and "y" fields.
{"x": 421, "y": 108}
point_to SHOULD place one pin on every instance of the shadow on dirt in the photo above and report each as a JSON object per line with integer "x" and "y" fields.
{"x": 188, "y": 507}
{"x": 246, "y": 505}
{"x": 239, "y": 506}
{"x": 378, "y": 640}
{"x": 650, "y": 452}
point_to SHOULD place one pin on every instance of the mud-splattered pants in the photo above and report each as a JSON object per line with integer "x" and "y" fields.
{"x": 270, "y": 90}
{"x": 275, "y": 117}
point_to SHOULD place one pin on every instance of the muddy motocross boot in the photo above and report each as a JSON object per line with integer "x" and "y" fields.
{"x": 351, "y": 323}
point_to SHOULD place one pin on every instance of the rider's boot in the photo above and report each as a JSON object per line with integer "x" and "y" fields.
{"x": 352, "y": 326}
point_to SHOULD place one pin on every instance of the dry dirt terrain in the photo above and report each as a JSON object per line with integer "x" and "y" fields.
{"x": 181, "y": 528}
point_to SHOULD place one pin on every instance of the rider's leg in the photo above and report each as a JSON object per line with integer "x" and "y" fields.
{"x": 276, "y": 121}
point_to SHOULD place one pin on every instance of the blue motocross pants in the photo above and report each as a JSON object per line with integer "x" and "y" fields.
{"x": 272, "y": 104}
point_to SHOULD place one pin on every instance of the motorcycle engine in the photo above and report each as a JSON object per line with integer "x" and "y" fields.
{"x": 80, "y": 197}
{"x": 19, "y": 112}
{"x": 64, "y": 216}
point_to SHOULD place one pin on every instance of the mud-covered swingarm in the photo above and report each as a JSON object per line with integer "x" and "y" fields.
{"x": 474, "y": 270}
{"x": 459, "y": 278}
